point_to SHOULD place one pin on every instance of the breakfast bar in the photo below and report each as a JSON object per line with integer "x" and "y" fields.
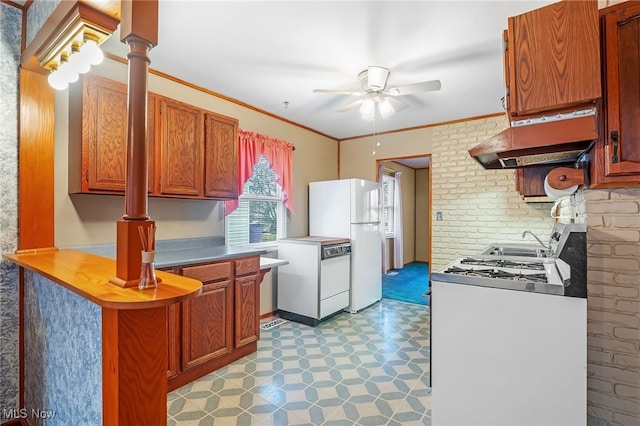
{"x": 110, "y": 355}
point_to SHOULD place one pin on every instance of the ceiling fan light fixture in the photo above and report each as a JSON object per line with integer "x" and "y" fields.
{"x": 386, "y": 108}
{"x": 377, "y": 77}
{"x": 367, "y": 109}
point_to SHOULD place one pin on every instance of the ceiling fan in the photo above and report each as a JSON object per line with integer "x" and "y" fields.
{"x": 373, "y": 83}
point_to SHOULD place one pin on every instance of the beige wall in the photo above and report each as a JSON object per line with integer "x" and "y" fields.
{"x": 357, "y": 158}
{"x": 423, "y": 216}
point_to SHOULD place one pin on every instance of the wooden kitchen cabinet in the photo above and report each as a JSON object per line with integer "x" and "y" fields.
{"x": 98, "y": 136}
{"x": 616, "y": 156}
{"x": 221, "y": 156}
{"x": 530, "y": 180}
{"x": 247, "y": 306}
{"x": 181, "y": 146}
{"x": 552, "y": 59}
{"x": 198, "y": 152}
{"x": 192, "y": 153}
{"x": 220, "y": 325}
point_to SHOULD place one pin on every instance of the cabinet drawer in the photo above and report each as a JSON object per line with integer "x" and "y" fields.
{"x": 211, "y": 272}
{"x": 248, "y": 266}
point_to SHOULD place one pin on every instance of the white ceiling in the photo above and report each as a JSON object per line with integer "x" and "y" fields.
{"x": 266, "y": 53}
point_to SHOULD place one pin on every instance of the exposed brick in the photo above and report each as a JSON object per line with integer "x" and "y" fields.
{"x": 612, "y": 345}
{"x": 631, "y": 361}
{"x": 598, "y": 276}
{"x": 609, "y": 290}
{"x": 599, "y": 249}
{"x": 627, "y": 333}
{"x": 613, "y": 402}
{"x": 599, "y": 385}
{"x": 632, "y": 221}
{"x": 604, "y": 303}
{"x": 628, "y": 279}
{"x": 613, "y": 318}
{"x": 614, "y": 263}
{"x": 625, "y": 419}
{"x": 628, "y": 306}
{"x": 614, "y": 235}
{"x": 626, "y": 391}
{"x": 599, "y": 357}
{"x": 596, "y": 195}
{"x": 614, "y": 374}
{"x": 607, "y": 207}
{"x": 598, "y": 416}
{"x": 627, "y": 250}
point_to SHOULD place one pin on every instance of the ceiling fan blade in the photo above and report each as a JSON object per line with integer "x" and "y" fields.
{"x": 352, "y": 105}
{"x": 339, "y": 92}
{"x": 410, "y": 89}
{"x": 397, "y": 104}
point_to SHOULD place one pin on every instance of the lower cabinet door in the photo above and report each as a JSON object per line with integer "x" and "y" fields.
{"x": 247, "y": 310}
{"x": 173, "y": 339}
{"x": 207, "y": 325}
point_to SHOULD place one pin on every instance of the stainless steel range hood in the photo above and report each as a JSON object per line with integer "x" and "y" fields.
{"x": 560, "y": 138}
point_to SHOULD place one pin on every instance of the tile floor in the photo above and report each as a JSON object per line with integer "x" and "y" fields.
{"x": 369, "y": 368}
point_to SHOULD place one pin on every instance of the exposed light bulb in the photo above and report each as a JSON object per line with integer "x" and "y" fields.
{"x": 67, "y": 72}
{"x": 56, "y": 80}
{"x": 91, "y": 52}
{"x": 78, "y": 62}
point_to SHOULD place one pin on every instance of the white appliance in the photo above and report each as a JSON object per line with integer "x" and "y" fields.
{"x": 350, "y": 208}
{"x": 509, "y": 336}
{"x": 315, "y": 284}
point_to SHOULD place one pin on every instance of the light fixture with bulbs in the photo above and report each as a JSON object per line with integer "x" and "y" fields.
{"x": 384, "y": 105}
{"x": 74, "y": 48}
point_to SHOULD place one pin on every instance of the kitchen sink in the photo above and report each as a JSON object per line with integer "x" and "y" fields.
{"x": 518, "y": 250}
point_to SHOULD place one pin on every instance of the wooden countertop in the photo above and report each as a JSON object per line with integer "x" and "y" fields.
{"x": 88, "y": 276}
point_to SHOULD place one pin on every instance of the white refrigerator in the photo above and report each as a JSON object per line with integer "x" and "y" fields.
{"x": 350, "y": 208}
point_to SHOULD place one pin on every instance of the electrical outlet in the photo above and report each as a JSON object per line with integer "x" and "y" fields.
{"x": 438, "y": 215}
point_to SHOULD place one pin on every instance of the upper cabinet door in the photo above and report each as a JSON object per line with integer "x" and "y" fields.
{"x": 104, "y": 135}
{"x": 553, "y": 58}
{"x": 181, "y": 148}
{"x": 221, "y": 157}
{"x": 622, "y": 67}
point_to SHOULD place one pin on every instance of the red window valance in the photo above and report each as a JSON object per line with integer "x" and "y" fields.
{"x": 277, "y": 152}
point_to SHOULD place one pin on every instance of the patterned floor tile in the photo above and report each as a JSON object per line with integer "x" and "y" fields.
{"x": 369, "y": 368}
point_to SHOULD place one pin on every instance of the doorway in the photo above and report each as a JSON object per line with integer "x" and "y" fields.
{"x": 409, "y": 282}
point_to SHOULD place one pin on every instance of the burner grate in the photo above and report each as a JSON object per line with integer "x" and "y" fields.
{"x": 502, "y": 263}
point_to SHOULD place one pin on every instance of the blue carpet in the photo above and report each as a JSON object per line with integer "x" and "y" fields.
{"x": 408, "y": 284}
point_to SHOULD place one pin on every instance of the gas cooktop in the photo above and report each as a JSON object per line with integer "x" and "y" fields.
{"x": 562, "y": 271}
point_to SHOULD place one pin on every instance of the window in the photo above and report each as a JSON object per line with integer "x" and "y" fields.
{"x": 389, "y": 205}
{"x": 261, "y": 216}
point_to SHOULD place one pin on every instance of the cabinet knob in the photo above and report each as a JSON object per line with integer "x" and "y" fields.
{"x": 614, "y": 139}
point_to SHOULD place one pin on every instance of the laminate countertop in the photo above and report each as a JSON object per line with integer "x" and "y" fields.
{"x": 189, "y": 256}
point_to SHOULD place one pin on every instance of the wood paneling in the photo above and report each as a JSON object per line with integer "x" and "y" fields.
{"x": 35, "y": 162}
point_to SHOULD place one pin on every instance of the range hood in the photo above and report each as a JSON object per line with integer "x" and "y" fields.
{"x": 556, "y": 139}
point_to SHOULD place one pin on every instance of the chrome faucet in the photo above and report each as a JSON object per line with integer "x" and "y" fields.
{"x": 548, "y": 247}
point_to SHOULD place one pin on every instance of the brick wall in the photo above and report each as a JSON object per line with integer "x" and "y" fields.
{"x": 613, "y": 329}
{"x": 478, "y": 206}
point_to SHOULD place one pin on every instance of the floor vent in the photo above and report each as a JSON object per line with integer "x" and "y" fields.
{"x": 271, "y": 324}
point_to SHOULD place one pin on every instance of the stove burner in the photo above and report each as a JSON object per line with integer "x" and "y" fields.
{"x": 503, "y": 263}
{"x": 497, "y": 273}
